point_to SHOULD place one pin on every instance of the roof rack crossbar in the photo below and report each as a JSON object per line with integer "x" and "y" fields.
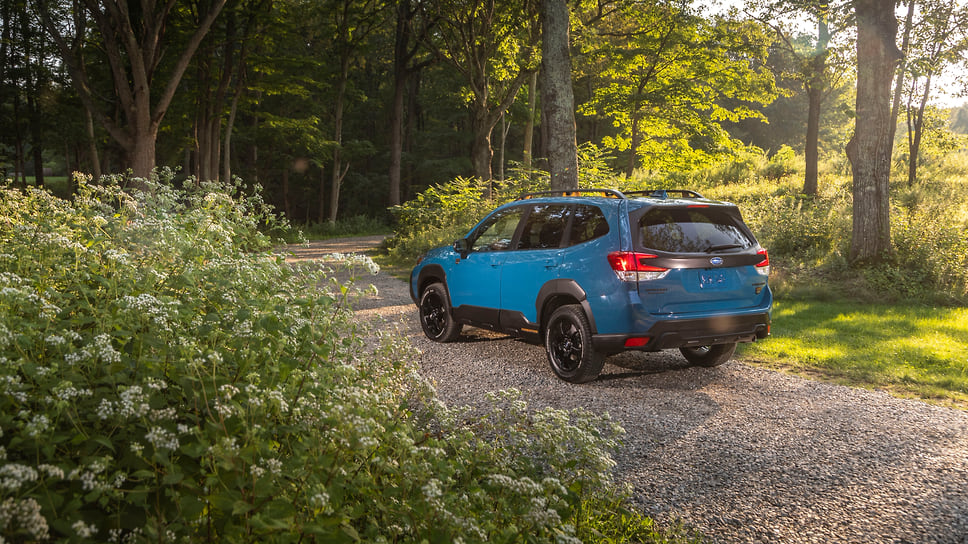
{"x": 664, "y": 193}
{"x": 608, "y": 193}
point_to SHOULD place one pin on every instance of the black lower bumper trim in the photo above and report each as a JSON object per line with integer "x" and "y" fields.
{"x": 691, "y": 332}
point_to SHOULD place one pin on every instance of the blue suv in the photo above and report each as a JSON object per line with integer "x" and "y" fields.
{"x": 593, "y": 272}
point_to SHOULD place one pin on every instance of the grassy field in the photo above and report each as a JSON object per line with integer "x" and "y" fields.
{"x": 911, "y": 351}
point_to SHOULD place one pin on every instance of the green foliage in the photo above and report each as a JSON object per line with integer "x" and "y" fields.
{"x": 354, "y": 226}
{"x": 443, "y": 213}
{"x": 668, "y": 79}
{"x": 163, "y": 379}
{"x": 612, "y": 522}
{"x": 783, "y": 163}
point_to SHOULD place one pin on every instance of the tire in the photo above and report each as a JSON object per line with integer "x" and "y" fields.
{"x": 709, "y": 356}
{"x": 436, "y": 319}
{"x": 568, "y": 341}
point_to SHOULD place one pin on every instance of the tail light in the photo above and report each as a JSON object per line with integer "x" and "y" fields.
{"x": 631, "y": 266}
{"x": 763, "y": 267}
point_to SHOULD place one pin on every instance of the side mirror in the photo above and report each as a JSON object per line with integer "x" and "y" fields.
{"x": 463, "y": 247}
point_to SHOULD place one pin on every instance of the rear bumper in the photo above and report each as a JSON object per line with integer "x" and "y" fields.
{"x": 678, "y": 333}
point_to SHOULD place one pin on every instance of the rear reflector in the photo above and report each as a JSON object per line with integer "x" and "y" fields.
{"x": 636, "y": 342}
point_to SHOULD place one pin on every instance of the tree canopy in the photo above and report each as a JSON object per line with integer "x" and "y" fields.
{"x": 344, "y": 107}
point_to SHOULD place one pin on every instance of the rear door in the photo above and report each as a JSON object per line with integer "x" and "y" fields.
{"x": 710, "y": 255}
{"x": 535, "y": 261}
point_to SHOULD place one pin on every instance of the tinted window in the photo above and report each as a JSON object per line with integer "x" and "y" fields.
{"x": 544, "y": 227}
{"x": 497, "y": 232}
{"x": 692, "y": 230}
{"x": 589, "y": 223}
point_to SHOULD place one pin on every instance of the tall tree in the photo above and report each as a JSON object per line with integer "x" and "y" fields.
{"x": 134, "y": 38}
{"x": 352, "y": 21}
{"x": 939, "y": 40}
{"x": 557, "y": 95}
{"x": 409, "y": 33}
{"x": 869, "y": 150}
{"x": 669, "y": 76}
{"x": 814, "y": 72}
{"x": 492, "y": 44}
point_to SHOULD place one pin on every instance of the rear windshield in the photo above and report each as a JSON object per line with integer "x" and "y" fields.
{"x": 691, "y": 230}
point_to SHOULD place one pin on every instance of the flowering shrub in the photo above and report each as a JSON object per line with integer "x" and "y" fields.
{"x": 162, "y": 378}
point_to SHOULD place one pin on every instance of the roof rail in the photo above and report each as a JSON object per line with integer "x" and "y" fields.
{"x": 608, "y": 193}
{"x": 664, "y": 193}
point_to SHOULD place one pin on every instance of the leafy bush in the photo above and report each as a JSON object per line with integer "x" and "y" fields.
{"x": 783, "y": 163}
{"x": 162, "y": 380}
{"x": 931, "y": 257}
{"x": 443, "y": 213}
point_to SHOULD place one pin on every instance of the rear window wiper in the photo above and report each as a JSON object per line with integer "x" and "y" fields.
{"x": 721, "y": 247}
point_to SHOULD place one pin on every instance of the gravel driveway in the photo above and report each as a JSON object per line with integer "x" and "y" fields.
{"x": 740, "y": 453}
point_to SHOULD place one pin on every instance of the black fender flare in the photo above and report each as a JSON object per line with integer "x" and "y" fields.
{"x": 428, "y": 274}
{"x": 568, "y": 288}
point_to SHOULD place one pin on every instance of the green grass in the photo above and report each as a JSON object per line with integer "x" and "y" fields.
{"x": 911, "y": 351}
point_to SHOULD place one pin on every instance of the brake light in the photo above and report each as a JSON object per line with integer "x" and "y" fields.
{"x": 636, "y": 342}
{"x": 763, "y": 267}
{"x": 631, "y": 266}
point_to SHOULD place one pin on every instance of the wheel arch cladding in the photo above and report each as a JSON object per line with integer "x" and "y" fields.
{"x": 432, "y": 273}
{"x": 559, "y": 292}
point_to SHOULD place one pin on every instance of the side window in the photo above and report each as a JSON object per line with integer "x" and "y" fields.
{"x": 496, "y": 234}
{"x": 544, "y": 227}
{"x": 589, "y": 223}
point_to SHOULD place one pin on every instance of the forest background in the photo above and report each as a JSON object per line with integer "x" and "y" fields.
{"x": 344, "y": 109}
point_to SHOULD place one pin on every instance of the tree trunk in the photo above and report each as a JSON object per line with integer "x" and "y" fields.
{"x": 92, "y": 145}
{"x": 869, "y": 150}
{"x": 141, "y": 153}
{"x": 481, "y": 152}
{"x": 917, "y": 129}
{"x": 229, "y": 127}
{"x": 396, "y": 133}
{"x": 902, "y": 66}
{"x": 529, "y": 125}
{"x": 402, "y": 36}
{"x": 811, "y": 146}
{"x": 337, "y": 178}
{"x": 285, "y": 192}
{"x": 815, "y": 90}
{"x": 635, "y": 140}
{"x": 557, "y": 95}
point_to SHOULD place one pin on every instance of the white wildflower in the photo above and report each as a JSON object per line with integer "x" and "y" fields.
{"x": 37, "y": 425}
{"x": 26, "y": 515}
{"x": 14, "y": 475}
{"x": 51, "y": 471}
{"x": 162, "y": 438}
{"x": 78, "y": 356}
{"x": 106, "y": 351}
{"x": 56, "y": 340}
{"x": 84, "y": 530}
{"x": 432, "y": 490}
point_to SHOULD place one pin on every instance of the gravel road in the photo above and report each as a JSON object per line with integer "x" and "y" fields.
{"x": 740, "y": 453}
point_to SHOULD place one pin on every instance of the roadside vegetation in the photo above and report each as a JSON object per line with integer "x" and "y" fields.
{"x": 163, "y": 378}
{"x": 899, "y": 325}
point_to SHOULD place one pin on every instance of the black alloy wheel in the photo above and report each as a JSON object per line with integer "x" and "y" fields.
{"x": 568, "y": 341}
{"x": 435, "y": 316}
